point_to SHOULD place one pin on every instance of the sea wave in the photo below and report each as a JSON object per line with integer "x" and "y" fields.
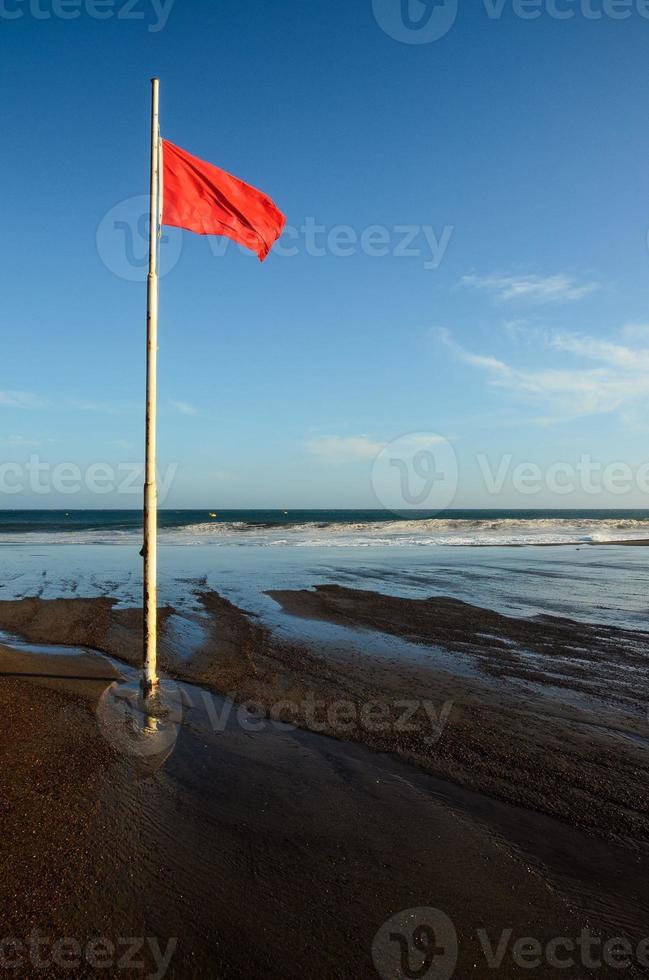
{"x": 432, "y": 532}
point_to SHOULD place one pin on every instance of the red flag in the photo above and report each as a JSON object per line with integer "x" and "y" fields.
{"x": 201, "y": 198}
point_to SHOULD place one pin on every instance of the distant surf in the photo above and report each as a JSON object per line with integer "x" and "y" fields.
{"x": 328, "y": 528}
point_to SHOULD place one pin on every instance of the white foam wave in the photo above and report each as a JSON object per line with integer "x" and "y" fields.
{"x": 434, "y": 532}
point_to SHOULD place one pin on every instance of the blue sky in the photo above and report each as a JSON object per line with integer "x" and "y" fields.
{"x": 467, "y": 252}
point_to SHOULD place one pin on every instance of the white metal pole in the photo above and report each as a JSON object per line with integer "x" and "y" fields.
{"x": 149, "y": 675}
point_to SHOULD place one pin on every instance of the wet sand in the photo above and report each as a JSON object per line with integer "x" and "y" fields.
{"x": 548, "y": 712}
{"x": 543, "y": 712}
{"x": 627, "y": 543}
{"x": 280, "y": 853}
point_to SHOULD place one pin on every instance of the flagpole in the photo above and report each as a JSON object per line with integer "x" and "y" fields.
{"x": 149, "y": 673}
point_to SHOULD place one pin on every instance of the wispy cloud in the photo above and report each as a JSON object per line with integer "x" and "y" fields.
{"x": 612, "y": 354}
{"x": 343, "y": 449}
{"x": 636, "y": 332}
{"x": 610, "y": 376}
{"x": 184, "y": 408}
{"x": 17, "y": 440}
{"x": 20, "y": 399}
{"x": 533, "y": 289}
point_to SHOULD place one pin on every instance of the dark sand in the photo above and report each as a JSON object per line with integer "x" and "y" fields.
{"x": 280, "y": 853}
{"x": 551, "y": 716}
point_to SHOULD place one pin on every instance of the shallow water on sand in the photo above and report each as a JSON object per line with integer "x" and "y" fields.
{"x": 596, "y": 584}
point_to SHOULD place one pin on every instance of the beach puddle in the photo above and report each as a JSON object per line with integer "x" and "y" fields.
{"x": 46, "y": 649}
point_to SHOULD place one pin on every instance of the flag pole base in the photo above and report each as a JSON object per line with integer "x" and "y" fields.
{"x": 149, "y": 687}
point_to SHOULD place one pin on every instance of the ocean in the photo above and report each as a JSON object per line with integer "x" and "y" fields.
{"x": 328, "y": 528}
{"x": 521, "y": 563}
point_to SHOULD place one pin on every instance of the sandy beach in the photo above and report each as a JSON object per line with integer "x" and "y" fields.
{"x": 501, "y": 777}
